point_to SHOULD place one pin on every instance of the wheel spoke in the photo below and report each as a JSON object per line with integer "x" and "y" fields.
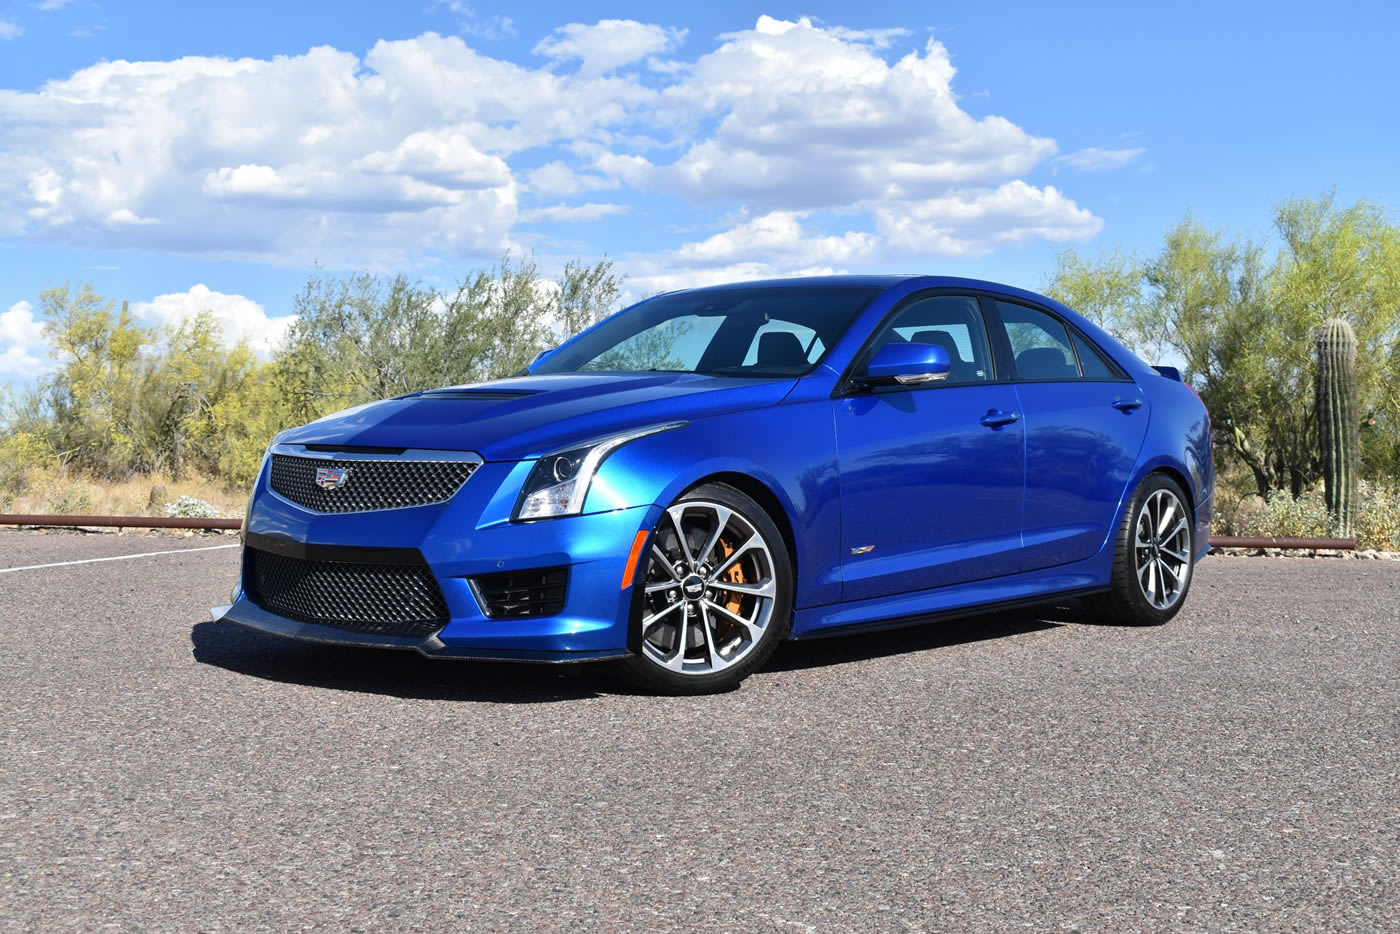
{"x": 765, "y": 588}
{"x": 1178, "y": 555}
{"x": 650, "y": 621}
{"x": 722, "y": 517}
{"x": 659, "y": 557}
{"x": 753, "y": 631}
{"x": 675, "y": 512}
{"x": 717, "y": 661}
{"x": 664, "y": 585}
{"x": 1177, "y": 530}
{"x": 1164, "y": 514}
{"x": 753, "y": 542}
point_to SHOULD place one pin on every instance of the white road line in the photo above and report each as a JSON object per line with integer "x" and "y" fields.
{"x": 144, "y": 554}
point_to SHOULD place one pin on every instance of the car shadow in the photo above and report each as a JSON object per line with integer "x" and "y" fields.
{"x": 407, "y": 675}
{"x": 916, "y": 637}
{"x": 412, "y": 676}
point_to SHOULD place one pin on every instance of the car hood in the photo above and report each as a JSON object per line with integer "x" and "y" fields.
{"x": 512, "y": 419}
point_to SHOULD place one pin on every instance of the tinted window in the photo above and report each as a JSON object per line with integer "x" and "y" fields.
{"x": 743, "y": 331}
{"x": 1091, "y": 361}
{"x": 953, "y": 322}
{"x": 1039, "y": 343}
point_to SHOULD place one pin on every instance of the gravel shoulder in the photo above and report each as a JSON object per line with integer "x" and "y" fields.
{"x": 1234, "y": 770}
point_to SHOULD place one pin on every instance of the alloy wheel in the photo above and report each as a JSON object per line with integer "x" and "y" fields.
{"x": 709, "y": 589}
{"x": 1162, "y": 549}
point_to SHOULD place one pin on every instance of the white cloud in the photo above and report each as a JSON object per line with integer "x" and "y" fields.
{"x": 48, "y": 5}
{"x": 974, "y": 222}
{"x": 1094, "y": 159}
{"x": 808, "y": 120}
{"x": 9, "y": 30}
{"x": 410, "y": 150}
{"x": 556, "y": 178}
{"x": 571, "y": 213}
{"x": 779, "y": 236}
{"x": 608, "y": 45}
{"x": 24, "y": 351}
{"x": 240, "y": 318}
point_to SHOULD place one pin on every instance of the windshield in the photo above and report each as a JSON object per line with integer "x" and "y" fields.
{"x": 766, "y": 331}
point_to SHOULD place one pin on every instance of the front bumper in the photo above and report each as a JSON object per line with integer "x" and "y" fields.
{"x": 470, "y": 536}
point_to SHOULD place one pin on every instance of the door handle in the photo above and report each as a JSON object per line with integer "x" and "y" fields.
{"x": 996, "y": 419}
{"x": 1127, "y": 405}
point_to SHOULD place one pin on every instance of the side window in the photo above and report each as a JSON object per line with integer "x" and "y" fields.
{"x": 1091, "y": 361}
{"x": 1039, "y": 343}
{"x": 953, "y": 322}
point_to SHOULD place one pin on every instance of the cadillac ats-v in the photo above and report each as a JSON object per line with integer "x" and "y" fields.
{"x": 709, "y": 472}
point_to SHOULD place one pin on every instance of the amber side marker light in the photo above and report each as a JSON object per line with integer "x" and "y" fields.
{"x": 631, "y": 570}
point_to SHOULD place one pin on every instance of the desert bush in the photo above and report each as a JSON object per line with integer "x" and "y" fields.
{"x": 1285, "y": 516}
{"x": 1378, "y": 517}
{"x": 190, "y": 507}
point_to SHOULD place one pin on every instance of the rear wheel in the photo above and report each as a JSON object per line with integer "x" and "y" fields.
{"x": 1153, "y": 557}
{"x": 716, "y": 598}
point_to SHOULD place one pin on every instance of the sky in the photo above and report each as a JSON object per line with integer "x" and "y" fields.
{"x": 187, "y": 156}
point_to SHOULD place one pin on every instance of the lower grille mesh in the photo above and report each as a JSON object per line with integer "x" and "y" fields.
{"x": 384, "y": 599}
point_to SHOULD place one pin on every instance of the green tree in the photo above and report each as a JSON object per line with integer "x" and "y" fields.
{"x": 365, "y": 337}
{"x": 1242, "y": 326}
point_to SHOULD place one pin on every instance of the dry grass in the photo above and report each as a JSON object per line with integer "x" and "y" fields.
{"x": 61, "y": 493}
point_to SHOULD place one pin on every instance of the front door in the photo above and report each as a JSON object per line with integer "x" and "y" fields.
{"x": 931, "y": 477}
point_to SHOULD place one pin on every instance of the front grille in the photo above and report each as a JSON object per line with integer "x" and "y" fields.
{"x": 511, "y": 594}
{"x": 385, "y": 599}
{"x": 368, "y": 485}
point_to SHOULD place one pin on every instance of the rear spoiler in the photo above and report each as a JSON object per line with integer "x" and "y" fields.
{"x": 1170, "y": 372}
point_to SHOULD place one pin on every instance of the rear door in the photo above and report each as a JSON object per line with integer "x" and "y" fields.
{"x": 931, "y": 475}
{"x": 1085, "y": 421}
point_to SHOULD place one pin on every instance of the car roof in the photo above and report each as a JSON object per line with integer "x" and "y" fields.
{"x": 877, "y": 281}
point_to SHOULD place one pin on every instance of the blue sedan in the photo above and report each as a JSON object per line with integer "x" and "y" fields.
{"x": 709, "y": 472}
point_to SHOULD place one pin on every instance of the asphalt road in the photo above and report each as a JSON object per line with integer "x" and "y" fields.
{"x": 1235, "y": 770}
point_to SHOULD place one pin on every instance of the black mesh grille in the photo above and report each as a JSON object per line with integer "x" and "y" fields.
{"x": 386, "y": 599}
{"x": 538, "y": 592}
{"x": 368, "y": 484}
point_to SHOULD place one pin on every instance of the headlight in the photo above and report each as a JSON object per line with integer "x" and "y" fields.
{"x": 559, "y": 481}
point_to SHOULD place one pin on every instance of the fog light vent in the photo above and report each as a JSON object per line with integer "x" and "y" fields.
{"x": 514, "y": 594}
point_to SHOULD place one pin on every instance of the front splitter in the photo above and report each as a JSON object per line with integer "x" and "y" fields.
{"x": 246, "y": 614}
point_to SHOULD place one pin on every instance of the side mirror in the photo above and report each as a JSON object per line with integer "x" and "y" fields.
{"x": 907, "y": 365}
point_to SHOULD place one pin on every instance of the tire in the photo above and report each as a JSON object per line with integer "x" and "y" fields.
{"x": 1150, "y": 578}
{"x": 691, "y": 631}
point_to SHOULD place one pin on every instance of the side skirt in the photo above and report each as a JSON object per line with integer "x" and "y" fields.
{"x": 969, "y": 599}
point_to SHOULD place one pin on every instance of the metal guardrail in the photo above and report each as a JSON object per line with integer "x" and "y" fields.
{"x": 1320, "y": 544}
{"x": 121, "y": 522}
{"x": 160, "y": 522}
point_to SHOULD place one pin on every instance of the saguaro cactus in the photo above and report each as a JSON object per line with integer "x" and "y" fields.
{"x": 1337, "y": 420}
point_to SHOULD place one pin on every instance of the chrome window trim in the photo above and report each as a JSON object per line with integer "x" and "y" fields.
{"x": 410, "y": 455}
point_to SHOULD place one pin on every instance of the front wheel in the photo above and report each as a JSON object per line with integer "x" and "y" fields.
{"x": 716, "y": 598}
{"x": 1153, "y": 555}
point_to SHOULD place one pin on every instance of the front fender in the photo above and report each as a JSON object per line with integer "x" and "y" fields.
{"x": 797, "y": 446}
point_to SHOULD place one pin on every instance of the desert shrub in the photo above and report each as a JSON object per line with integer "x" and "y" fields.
{"x": 1378, "y": 517}
{"x": 1284, "y": 516}
{"x": 21, "y": 455}
{"x": 68, "y": 499}
{"x": 189, "y": 507}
